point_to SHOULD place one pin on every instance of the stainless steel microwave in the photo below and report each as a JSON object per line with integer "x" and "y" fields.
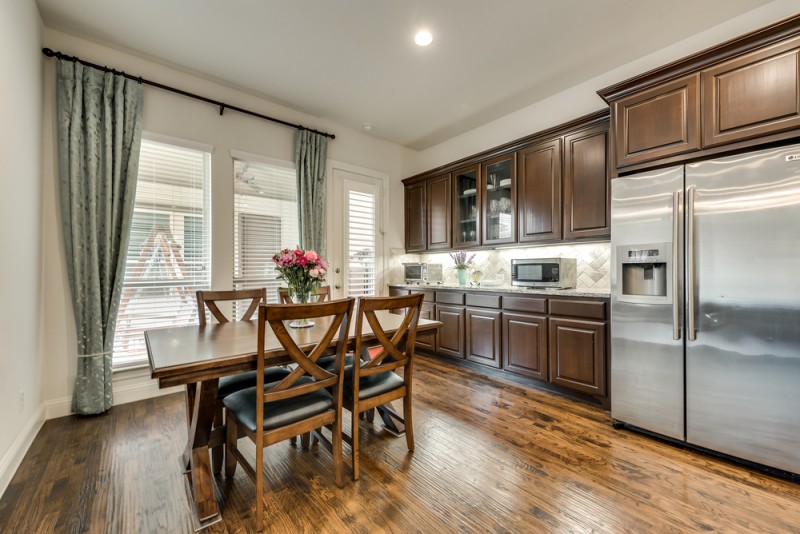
{"x": 422, "y": 273}
{"x": 559, "y": 273}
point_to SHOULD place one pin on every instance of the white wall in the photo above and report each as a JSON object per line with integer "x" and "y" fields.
{"x": 582, "y": 99}
{"x": 20, "y": 231}
{"x": 179, "y": 117}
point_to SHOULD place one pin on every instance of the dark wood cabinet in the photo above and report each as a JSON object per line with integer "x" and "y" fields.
{"x": 450, "y": 337}
{"x": 587, "y": 188}
{"x": 467, "y": 214}
{"x": 539, "y": 198}
{"x": 427, "y": 341}
{"x": 658, "y": 122}
{"x": 752, "y": 95}
{"x": 396, "y": 292}
{"x": 415, "y": 215}
{"x": 439, "y": 212}
{"x": 577, "y": 354}
{"x": 525, "y": 345}
{"x": 499, "y": 200}
{"x": 483, "y": 330}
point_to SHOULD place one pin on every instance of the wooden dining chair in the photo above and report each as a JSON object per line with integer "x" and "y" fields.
{"x": 231, "y": 384}
{"x": 308, "y": 399}
{"x": 323, "y": 292}
{"x": 374, "y": 382}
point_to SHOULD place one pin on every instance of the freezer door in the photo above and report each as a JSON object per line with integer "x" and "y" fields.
{"x": 646, "y": 358}
{"x": 743, "y": 368}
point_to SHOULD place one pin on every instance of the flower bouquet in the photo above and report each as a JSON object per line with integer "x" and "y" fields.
{"x": 303, "y": 272}
{"x": 463, "y": 263}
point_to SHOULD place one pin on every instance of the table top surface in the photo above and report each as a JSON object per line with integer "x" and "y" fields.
{"x": 178, "y": 353}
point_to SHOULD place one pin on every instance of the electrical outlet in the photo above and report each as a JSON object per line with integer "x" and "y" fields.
{"x": 21, "y": 401}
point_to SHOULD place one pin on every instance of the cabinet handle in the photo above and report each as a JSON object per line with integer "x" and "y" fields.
{"x": 690, "y": 304}
{"x": 676, "y": 211}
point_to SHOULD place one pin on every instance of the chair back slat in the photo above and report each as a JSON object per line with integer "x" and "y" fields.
{"x": 209, "y": 299}
{"x": 323, "y": 292}
{"x": 336, "y": 316}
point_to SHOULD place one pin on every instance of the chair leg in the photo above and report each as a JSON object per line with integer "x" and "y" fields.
{"x": 293, "y": 441}
{"x": 370, "y": 415}
{"x": 305, "y": 440}
{"x": 336, "y": 442}
{"x": 259, "y": 489}
{"x": 218, "y": 451}
{"x": 407, "y": 420}
{"x": 354, "y": 437}
{"x": 231, "y": 439}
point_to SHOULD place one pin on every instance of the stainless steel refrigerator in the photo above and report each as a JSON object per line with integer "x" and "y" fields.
{"x": 705, "y": 304}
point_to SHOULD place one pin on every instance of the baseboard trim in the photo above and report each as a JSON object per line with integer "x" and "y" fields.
{"x": 13, "y": 457}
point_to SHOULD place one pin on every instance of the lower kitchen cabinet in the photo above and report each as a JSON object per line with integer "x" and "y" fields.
{"x": 450, "y": 337}
{"x": 426, "y": 341}
{"x": 525, "y": 345}
{"x": 483, "y": 329}
{"x": 577, "y": 355}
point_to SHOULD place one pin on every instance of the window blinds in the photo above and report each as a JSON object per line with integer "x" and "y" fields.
{"x": 169, "y": 250}
{"x": 361, "y": 227}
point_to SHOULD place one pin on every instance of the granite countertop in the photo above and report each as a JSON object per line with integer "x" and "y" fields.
{"x": 575, "y": 292}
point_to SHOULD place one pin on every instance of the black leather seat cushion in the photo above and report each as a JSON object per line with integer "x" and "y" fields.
{"x": 328, "y": 362}
{"x": 279, "y": 413}
{"x": 373, "y": 385}
{"x": 234, "y": 383}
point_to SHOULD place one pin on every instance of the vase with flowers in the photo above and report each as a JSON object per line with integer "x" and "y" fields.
{"x": 463, "y": 263}
{"x": 303, "y": 271}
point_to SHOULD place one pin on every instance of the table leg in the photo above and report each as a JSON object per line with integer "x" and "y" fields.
{"x": 196, "y": 456}
{"x": 393, "y": 423}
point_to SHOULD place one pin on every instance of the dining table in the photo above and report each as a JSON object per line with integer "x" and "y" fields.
{"x": 197, "y": 356}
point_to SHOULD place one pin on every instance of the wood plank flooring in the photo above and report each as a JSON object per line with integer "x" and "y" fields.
{"x": 491, "y": 456}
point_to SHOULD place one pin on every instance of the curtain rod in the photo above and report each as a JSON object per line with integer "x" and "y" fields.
{"x": 221, "y": 105}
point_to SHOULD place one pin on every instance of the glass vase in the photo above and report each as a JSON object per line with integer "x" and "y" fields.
{"x": 301, "y": 297}
{"x": 462, "y": 277}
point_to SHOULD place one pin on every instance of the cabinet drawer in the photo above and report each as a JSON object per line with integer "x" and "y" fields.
{"x": 578, "y": 308}
{"x": 525, "y": 304}
{"x": 447, "y": 297}
{"x": 428, "y": 294}
{"x": 483, "y": 301}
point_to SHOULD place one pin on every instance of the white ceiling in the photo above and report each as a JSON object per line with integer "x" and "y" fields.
{"x": 354, "y": 61}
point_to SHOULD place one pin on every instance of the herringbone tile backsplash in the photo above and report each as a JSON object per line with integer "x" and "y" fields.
{"x": 594, "y": 263}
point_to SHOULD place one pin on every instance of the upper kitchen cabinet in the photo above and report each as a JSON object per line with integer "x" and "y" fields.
{"x": 439, "y": 214}
{"x": 752, "y": 95}
{"x": 658, "y": 122}
{"x": 539, "y": 167}
{"x": 466, "y": 207}
{"x": 416, "y": 217}
{"x": 499, "y": 199}
{"x": 587, "y": 189}
{"x": 734, "y": 96}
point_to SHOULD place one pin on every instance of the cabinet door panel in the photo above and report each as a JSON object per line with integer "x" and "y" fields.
{"x": 658, "y": 122}
{"x": 525, "y": 345}
{"x": 439, "y": 218}
{"x": 577, "y": 355}
{"x": 450, "y": 337}
{"x": 586, "y": 185}
{"x": 426, "y": 341}
{"x": 499, "y": 200}
{"x": 753, "y": 95}
{"x": 416, "y": 213}
{"x": 539, "y": 201}
{"x": 466, "y": 207}
{"x": 483, "y": 336}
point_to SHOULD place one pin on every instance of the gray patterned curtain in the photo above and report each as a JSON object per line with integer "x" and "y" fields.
{"x": 99, "y": 117}
{"x": 310, "y": 155}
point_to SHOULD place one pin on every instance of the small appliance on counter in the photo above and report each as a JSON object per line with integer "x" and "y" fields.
{"x": 422, "y": 273}
{"x": 559, "y": 273}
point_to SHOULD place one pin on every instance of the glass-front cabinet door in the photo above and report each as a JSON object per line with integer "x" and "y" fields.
{"x": 467, "y": 207}
{"x": 499, "y": 197}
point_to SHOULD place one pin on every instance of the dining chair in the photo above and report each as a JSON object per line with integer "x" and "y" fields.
{"x": 231, "y": 384}
{"x": 323, "y": 292}
{"x": 374, "y": 382}
{"x": 308, "y": 399}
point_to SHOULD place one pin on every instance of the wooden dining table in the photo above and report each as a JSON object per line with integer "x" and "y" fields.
{"x": 197, "y": 356}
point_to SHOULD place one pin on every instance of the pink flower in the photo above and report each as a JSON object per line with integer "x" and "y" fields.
{"x": 323, "y": 264}
{"x": 314, "y": 273}
{"x": 311, "y": 255}
{"x": 298, "y": 252}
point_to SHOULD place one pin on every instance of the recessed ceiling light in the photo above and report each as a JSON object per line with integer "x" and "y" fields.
{"x": 367, "y": 127}
{"x": 423, "y": 38}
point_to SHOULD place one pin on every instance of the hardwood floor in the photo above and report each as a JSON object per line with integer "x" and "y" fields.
{"x": 491, "y": 456}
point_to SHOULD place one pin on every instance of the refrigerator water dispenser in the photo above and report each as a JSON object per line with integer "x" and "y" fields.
{"x": 643, "y": 273}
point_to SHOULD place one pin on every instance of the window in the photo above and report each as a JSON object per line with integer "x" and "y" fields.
{"x": 361, "y": 230}
{"x": 169, "y": 248}
{"x": 265, "y": 221}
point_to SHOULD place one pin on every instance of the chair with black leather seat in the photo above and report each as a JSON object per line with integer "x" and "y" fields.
{"x": 231, "y": 384}
{"x": 374, "y": 381}
{"x": 308, "y": 399}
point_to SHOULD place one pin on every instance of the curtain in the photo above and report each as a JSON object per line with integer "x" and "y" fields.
{"x": 310, "y": 154}
{"x": 99, "y": 122}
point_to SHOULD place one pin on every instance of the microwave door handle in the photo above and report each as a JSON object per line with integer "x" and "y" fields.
{"x": 691, "y": 334}
{"x": 676, "y": 203}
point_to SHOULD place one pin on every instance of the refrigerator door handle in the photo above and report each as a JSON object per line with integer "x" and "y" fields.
{"x": 676, "y": 327}
{"x": 691, "y": 334}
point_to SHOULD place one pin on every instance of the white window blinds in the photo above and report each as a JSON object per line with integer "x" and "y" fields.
{"x": 265, "y": 221}
{"x": 169, "y": 249}
{"x": 361, "y": 229}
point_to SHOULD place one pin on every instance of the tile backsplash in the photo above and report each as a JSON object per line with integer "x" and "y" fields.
{"x": 594, "y": 261}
